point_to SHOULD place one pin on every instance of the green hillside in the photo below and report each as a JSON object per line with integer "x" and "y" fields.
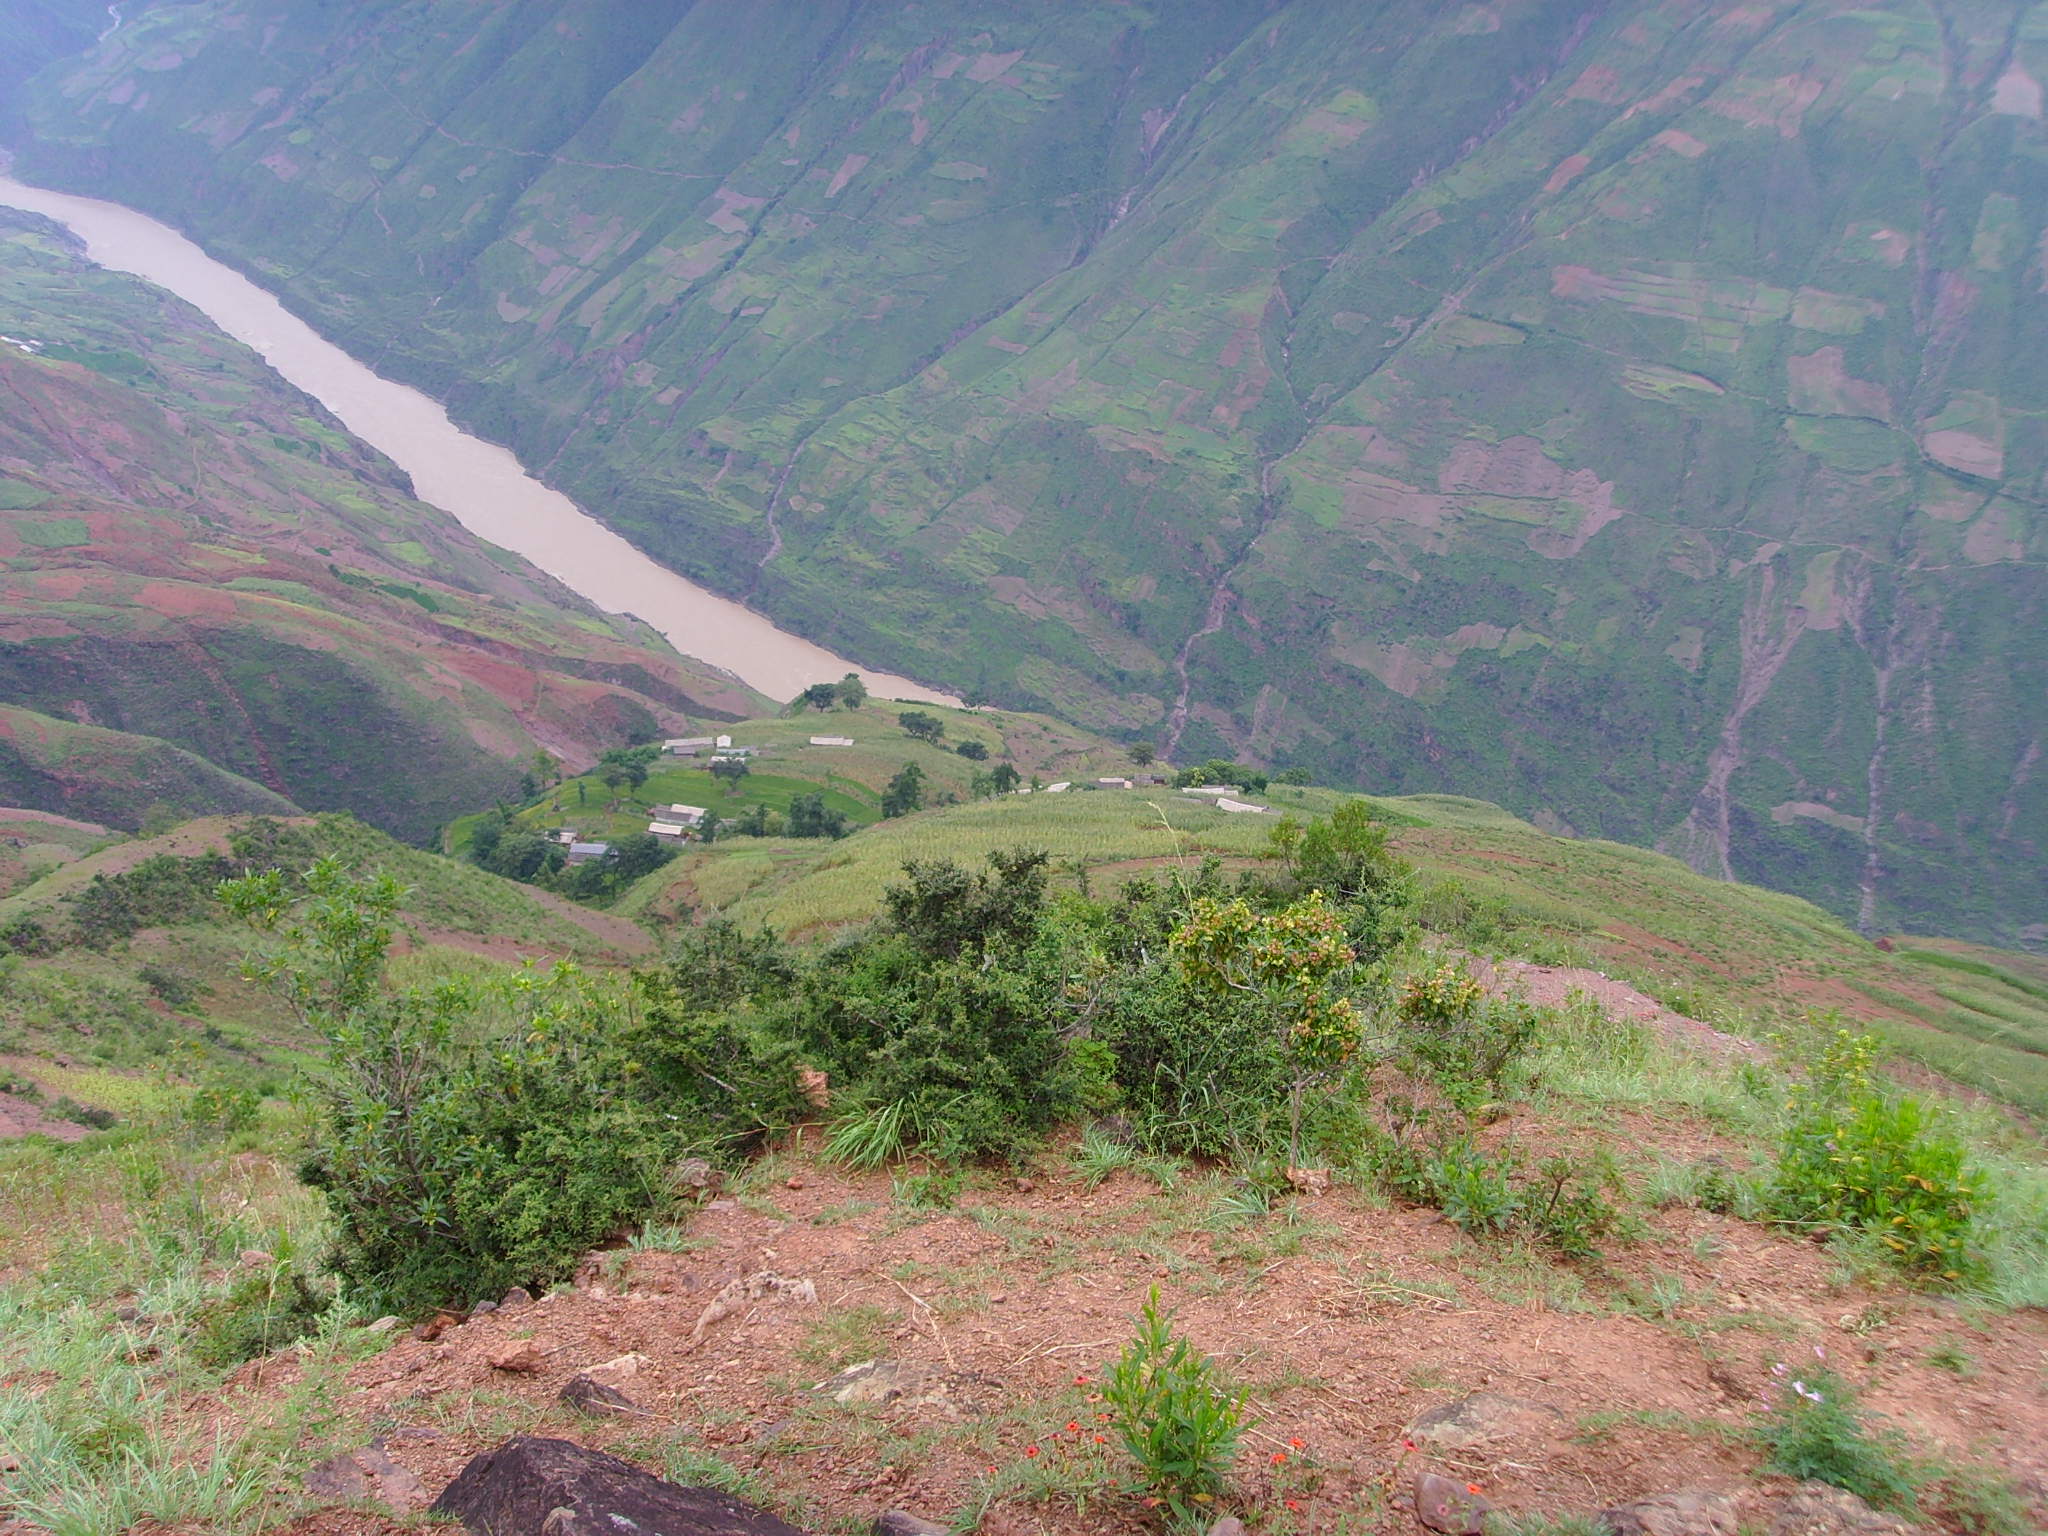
{"x": 1634, "y": 416}
{"x": 216, "y": 600}
{"x": 114, "y": 777}
{"x": 1747, "y": 959}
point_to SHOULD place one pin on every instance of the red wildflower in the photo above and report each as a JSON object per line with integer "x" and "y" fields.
{"x": 1073, "y": 1428}
{"x": 1080, "y": 1381}
{"x": 1030, "y": 1450}
{"x": 1279, "y": 1458}
{"x": 1298, "y": 1444}
{"x": 1293, "y": 1504}
{"x": 1472, "y": 1488}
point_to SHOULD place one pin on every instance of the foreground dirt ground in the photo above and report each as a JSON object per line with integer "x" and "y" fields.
{"x": 1569, "y": 1388}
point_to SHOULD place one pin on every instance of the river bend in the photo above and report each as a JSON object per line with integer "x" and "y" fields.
{"x": 480, "y": 484}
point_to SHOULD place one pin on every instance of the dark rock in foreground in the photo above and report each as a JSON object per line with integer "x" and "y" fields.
{"x": 531, "y": 1486}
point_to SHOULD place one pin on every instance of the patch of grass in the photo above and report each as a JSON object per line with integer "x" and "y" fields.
{"x": 1815, "y": 1430}
{"x": 845, "y": 1337}
{"x": 1950, "y": 1355}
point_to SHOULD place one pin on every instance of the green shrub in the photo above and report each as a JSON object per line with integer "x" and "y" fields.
{"x": 26, "y": 936}
{"x": 262, "y": 1312}
{"x": 1856, "y": 1159}
{"x": 1175, "y": 1416}
{"x": 1203, "y": 1074}
{"x": 92, "y": 1115}
{"x": 1452, "y": 1035}
{"x": 972, "y": 1063}
{"x": 223, "y": 1109}
{"x": 476, "y": 1135}
{"x": 938, "y": 1026}
{"x": 174, "y": 987}
{"x": 1565, "y": 1201}
{"x": 1472, "y": 1190}
{"x": 1813, "y": 1430}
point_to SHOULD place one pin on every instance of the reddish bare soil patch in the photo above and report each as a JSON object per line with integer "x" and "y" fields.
{"x": 1350, "y": 1319}
{"x": 20, "y": 1117}
{"x": 1551, "y": 986}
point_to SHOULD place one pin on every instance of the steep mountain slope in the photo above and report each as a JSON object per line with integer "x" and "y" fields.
{"x": 198, "y": 558}
{"x": 1633, "y": 413}
{"x": 114, "y": 777}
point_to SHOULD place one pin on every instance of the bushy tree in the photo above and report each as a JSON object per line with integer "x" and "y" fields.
{"x": 922, "y": 726}
{"x": 1217, "y": 771}
{"x": 905, "y": 792}
{"x": 973, "y": 751}
{"x": 729, "y": 771}
{"x": 852, "y": 691}
{"x": 809, "y": 816}
{"x": 1346, "y": 856}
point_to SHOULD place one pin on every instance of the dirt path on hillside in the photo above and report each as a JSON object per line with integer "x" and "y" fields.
{"x": 1551, "y": 986}
{"x": 622, "y": 934}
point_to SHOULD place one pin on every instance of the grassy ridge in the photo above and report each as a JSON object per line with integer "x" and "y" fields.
{"x": 1739, "y": 956}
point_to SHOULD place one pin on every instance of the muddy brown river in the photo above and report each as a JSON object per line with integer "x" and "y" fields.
{"x": 480, "y": 484}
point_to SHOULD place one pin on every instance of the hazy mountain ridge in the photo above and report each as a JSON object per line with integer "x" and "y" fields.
{"x": 1631, "y": 413}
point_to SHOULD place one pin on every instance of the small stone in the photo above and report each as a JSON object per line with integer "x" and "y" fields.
{"x": 1818, "y": 1509}
{"x": 523, "y": 1355}
{"x": 256, "y": 1258}
{"x": 815, "y": 1086}
{"x": 1452, "y": 1508}
{"x": 1024, "y": 1186}
{"x": 792, "y": 1182}
{"x": 901, "y": 1522}
{"x": 127, "y": 1314}
{"x": 519, "y": 1296}
{"x": 1674, "y": 1514}
{"x": 1229, "y": 1525}
{"x": 623, "y": 1369}
{"x": 368, "y": 1474}
{"x": 383, "y": 1324}
{"x": 697, "y": 1173}
{"x": 586, "y": 1394}
{"x": 1310, "y": 1181}
{"x": 1479, "y": 1418}
{"x": 483, "y": 1308}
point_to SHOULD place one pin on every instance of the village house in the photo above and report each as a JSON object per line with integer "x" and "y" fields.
{"x": 686, "y": 746}
{"x": 1216, "y": 791}
{"x": 687, "y": 815}
{"x": 831, "y": 741}
{"x": 588, "y": 853}
{"x": 1114, "y": 783}
{"x": 1224, "y": 803}
{"x": 667, "y": 831}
